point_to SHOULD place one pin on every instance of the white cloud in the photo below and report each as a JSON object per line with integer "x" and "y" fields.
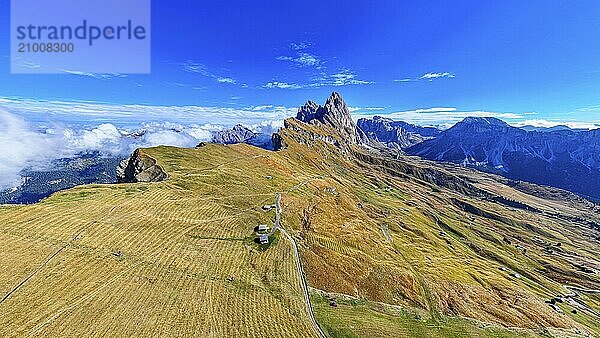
{"x": 258, "y": 108}
{"x": 199, "y": 68}
{"x": 226, "y": 80}
{"x": 202, "y": 133}
{"x": 302, "y": 59}
{"x": 114, "y": 130}
{"x": 100, "y": 76}
{"x": 430, "y": 110}
{"x": 343, "y": 77}
{"x": 194, "y": 67}
{"x": 281, "y": 85}
{"x": 24, "y": 146}
{"x": 431, "y": 76}
{"x": 20, "y": 146}
{"x": 322, "y": 77}
{"x": 28, "y": 64}
{"x": 97, "y": 138}
{"x": 176, "y": 84}
{"x": 589, "y": 109}
{"x": 18, "y": 62}
{"x": 300, "y": 46}
{"x": 267, "y": 127}
{"x": 108, "y": 139}
{"x": 549, "y": 123}
{"x": 357, "y": 109}
{"x": 171, "y": 138}
{"x": 346, "y": 77}
{"x": 306, "y": 59}
{"x": 127, "y": 114}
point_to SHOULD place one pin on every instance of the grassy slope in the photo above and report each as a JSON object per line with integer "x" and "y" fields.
{"x": 361, "y": 318}
{"x": 362, "y": 231}
{"x": 188, "y": 266}
{"x": 372, "y": 233}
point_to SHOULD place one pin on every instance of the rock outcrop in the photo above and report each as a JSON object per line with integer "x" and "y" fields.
{"x": 140, "y": 167}
{"x": 278, "y": 142}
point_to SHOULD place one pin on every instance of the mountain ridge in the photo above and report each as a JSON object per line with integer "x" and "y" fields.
{"x": 395, "y": 134}
{"x": 564, "y": 159}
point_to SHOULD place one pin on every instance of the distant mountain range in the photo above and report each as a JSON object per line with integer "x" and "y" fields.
{"x": 563, "y": 158}
{"x": 396, "y": 134}
{"x": 242, "y": 134}
{"x": 551, "y": 129}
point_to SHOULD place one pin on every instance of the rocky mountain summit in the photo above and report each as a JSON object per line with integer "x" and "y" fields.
{"x": 334, "y": 114}
{"x": 395, "y": 134}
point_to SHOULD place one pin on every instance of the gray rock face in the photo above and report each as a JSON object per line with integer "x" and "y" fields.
{"x": 308, "y": 111}
{"x": 140, "y": 168}
{"x": 395, "y": 134}
{"x": 237, "y": 134}
{"x": 278, "y": 142}
{"x": 334, "y": 114}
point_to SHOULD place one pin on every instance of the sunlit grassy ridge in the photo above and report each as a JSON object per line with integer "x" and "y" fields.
{"x": 168, "y": 259}
{"x": 177, "y": 258}
{"x": 387, "y": 232}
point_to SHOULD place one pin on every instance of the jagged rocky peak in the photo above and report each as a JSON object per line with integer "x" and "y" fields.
{"x": 308, "y": 111}
{"x": 338, "y": 110}
{"x": 395, "y": 134}
{"x": 334, "y": 114}
{"x": 237, "y": 134}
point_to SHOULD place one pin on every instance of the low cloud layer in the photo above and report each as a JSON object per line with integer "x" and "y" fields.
{"x": 25, "y": 145}
{"x": 550, "y": 123}
{"x": 20, "y": 146}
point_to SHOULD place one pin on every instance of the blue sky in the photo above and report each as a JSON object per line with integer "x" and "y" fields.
{"x": 424, "y": 61}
